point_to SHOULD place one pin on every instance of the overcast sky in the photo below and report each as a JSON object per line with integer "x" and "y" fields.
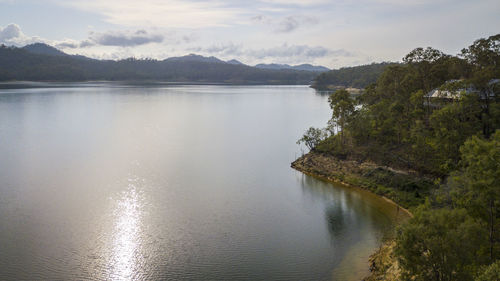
{"x": 333, "y": 33}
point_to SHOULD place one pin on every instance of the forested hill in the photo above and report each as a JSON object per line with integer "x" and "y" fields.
{"x": 306, "y": 67}
{"x": 355, "y": 77}
{"x": 41, "y": 62}
{"x": 435, "y": 121}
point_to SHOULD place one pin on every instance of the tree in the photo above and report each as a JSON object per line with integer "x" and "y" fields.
{"x": 357, "y": 76}
{"x": 484, "y": 56}
{"x": 426, "y": 64}
{"x": 489, "y": 273}
{"x": 312, "y": 137}
{"x": 343, "y": 106}
{"x": 440, "y": 245}
{"x": 420, "y": 55}
{"x": 478, "y": 184}
{"x": 451, "y": 126}
{"x": 484, "y": 53}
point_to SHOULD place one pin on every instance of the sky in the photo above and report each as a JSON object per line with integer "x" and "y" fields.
{"x": 332, "y": 33}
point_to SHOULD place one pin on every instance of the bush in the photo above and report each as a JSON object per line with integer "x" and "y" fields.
{"x": 441, "y": 245}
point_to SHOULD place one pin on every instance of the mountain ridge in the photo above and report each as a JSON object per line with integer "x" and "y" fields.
{"x": 45, "y": 49}
{"x": 303, "y": 67}
{"x": 41, "y": 62}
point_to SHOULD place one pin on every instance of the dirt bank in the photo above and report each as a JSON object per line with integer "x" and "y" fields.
{"x": 384, "y": 181}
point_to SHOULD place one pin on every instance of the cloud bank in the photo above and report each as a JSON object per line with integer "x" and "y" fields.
{"x": 115, "y": 38}
{"x": 282, "y": 53}
{"x": 13, "y": 35}
{"x": 165, "y": 13}
{"x": 285, "y": 24}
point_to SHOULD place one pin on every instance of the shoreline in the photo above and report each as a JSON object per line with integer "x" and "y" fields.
{"x": 336, "y": 180}
{"x": 382, "y": 263}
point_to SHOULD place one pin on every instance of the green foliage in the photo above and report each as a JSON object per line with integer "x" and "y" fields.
{"x": 330, "y": 145}
{"x": 20, "y": 64}
{"x": 395, "y": 123}
{"x": 477, "y": 185}
{"x": 431, "y": 246}
{"x": 451, "y": 126}
{"x": 489, "y": 273}
{"x": 407, "y": 190}
{"x": 343, "y": 107}
{"x": 312, "y": 137}
{"x": 441, "y": 245}
{"x": 356, "y": 77}
{"x": 484, "y": 52}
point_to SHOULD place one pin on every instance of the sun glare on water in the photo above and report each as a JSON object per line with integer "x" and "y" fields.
{"x": 126, "y": 238}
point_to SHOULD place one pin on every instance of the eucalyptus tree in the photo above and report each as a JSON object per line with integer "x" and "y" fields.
{"x": 342, "y": 105}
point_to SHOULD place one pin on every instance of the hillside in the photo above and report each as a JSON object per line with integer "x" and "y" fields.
{"x": 40, "y": 62}
{"x": 304, "y": 67}
{"x": 43, "y": 49}
{"x": 438, "y": 155}
{"x": 355, "y": 77}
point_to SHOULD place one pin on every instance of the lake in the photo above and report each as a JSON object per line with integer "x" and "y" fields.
{"x": 110, "y": 181}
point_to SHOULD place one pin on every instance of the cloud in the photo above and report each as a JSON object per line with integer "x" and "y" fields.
{"x": 302, "y": 51}
{"x": 67, "y": 44}
{"x": 125, "y": 39}
{"x": 297, "y": 2}
{"x": 408, "y": 2}
{"x": 13, "y": 35}
{"x": 286, "y": 24}
{"x": 10, "y": 32}
{"x": 285, "y": 52}
{"x": 165, "y": 13}
{"x": 115, "y": 38}
{"x": 228, "y": 49}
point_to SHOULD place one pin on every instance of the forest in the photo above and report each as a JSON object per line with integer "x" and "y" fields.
{"x": 46, "y": 63}
{"x": 355, "y": 76}
{"x": 437, "y": 116}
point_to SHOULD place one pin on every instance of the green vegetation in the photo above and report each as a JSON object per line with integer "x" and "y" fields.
{"x": 312, "y": 137}
{"x": 355, "y": 77}
{"x": 441, "y": 244}
{"x": 48, "y": 64}
{"x": 489, "y": 273}
{"x": 452, "y": 137}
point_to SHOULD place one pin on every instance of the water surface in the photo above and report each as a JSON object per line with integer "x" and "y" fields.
{"x": 130, "y": 182}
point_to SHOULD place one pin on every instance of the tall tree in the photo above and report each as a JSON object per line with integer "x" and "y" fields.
{"x": 484, "y": 56}
{"x": 478, "y": 185}
{"x": 440, "y": 245}
{"x": 425, "y": 62}
{"x": 342, "y": 105}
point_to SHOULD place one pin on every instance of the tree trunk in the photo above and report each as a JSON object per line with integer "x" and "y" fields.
{"x": 491, "y": 230}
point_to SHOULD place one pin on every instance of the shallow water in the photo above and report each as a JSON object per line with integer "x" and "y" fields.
{"x": 138, "y": 182}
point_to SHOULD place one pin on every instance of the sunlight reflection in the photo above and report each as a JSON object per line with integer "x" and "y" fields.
{"x": 126, "y": 246}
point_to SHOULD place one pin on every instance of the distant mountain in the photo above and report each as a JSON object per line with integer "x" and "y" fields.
{"x": 43, "y": 49}
{"x": 274, "y": 66}
{"x": 41, "y": 62}
{"x": 309, "y": 67}
{"x": 355, "y": 77}
{"x": 236, "y": 62}
{"x": 304, "y": 67}
{"x": 195, "y": 58}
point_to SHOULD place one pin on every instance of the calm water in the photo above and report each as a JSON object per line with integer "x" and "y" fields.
{"x": 115, "y": 182}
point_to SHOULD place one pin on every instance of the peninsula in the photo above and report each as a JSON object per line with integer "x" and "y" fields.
{"x": 426, "y": 135}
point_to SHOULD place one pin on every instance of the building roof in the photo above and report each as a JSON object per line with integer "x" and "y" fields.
{"x": 446, "y": 94}
{"x": 493, "y": 82}
{"x": 450, "y": 94}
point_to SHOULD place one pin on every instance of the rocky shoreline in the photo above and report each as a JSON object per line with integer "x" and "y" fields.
{"x": 383, "y": 263}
